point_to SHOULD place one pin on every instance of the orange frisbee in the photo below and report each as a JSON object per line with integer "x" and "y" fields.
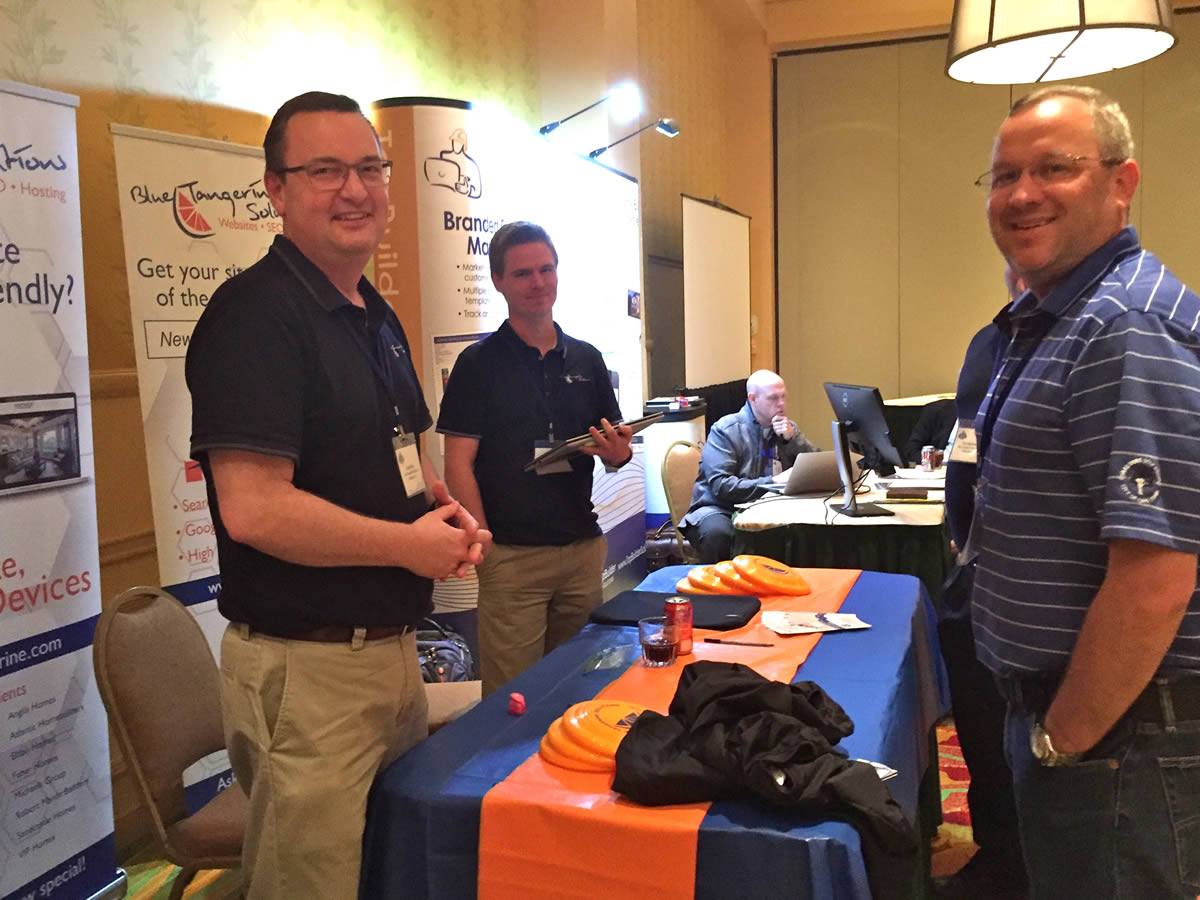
{"x": 771, "y": 576}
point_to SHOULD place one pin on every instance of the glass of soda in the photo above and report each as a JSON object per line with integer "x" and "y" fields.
{"x": 659, "y": 641}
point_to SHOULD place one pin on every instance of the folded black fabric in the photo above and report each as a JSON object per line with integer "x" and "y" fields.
{"x": 720, "y": 612}
{"x": 732, "y": 734}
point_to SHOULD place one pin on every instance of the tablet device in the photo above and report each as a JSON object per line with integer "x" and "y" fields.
{"x": 564, "y": 449}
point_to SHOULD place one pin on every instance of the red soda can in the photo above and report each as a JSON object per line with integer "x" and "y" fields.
{"x": 678, "y": 612}
{"x": 927, "y": 457}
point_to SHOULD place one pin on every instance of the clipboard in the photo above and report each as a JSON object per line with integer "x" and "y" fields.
{"x": 570, "y": 446}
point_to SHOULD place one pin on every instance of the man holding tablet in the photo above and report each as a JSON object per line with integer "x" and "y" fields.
{"x": 510, "y": 397}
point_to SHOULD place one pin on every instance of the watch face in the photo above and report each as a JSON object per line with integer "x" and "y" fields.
{"x": 1039, "y": 744}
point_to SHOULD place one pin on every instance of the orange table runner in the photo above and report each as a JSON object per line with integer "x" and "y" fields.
{"x": 549, "y": 832}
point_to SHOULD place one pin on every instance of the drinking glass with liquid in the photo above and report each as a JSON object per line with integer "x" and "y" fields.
{"x": 660, "y": 643}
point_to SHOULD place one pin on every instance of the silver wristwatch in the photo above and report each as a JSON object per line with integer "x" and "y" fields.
{"x": 1044, "y": 752}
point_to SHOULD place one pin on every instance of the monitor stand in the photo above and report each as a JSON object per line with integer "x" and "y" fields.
{"x": 850, "y": 505}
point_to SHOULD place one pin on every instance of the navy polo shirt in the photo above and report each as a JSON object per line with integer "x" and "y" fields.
{"x": 973, "y": 380}
{"x": 281, "y": 363}
{"x": 1089, "y": 432}
{"x": 503, "y": 393}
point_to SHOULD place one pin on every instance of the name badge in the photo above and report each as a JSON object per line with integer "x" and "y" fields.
{"x": 408, "y": 461}
{"x": 962, "y": 446}
{"x": 558, "y": 467}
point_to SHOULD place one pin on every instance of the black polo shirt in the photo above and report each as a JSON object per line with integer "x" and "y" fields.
{"x": 506, "y": 395}
{"x": 282, "y": 363}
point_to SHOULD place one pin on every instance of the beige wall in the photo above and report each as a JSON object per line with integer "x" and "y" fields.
{"x": 883, "y": 236}
{"x": 711, "y": 71}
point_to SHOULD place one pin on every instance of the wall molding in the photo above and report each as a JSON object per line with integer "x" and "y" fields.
{"x": 110, "y": 383}
{"x": 127, "y": 546}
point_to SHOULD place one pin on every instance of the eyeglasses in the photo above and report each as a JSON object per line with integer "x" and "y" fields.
{"x": 331, "y": 174}
{"x": 1057, "y": 169}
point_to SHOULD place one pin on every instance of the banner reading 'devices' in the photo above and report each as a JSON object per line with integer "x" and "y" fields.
{"x": 56, "y": 827}
{"x": 193, "y": 213}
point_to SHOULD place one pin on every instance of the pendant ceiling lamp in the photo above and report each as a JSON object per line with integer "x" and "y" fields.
{"x": 1029, "y": 41}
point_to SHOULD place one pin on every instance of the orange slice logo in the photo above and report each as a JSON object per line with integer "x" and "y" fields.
{"x": 188, "y": 217}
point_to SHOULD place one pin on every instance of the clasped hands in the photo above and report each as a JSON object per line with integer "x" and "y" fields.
{"x": 457, "y": 541}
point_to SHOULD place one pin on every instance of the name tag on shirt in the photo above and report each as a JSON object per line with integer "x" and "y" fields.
{"x": 962, "y": 447}
{"x": 558, "y": 467}
{"x": 408, "y": 461}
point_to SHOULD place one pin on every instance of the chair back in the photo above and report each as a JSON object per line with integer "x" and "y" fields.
{"x": 161, "y": 688}
{"x": 680, "y": 466}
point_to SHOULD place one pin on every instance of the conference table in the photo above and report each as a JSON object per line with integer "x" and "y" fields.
{"x": 805, "y": 531}
{"x": 427, "y": 827}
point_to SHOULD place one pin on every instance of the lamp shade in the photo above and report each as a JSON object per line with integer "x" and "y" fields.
{"x": 1029, "y": 41}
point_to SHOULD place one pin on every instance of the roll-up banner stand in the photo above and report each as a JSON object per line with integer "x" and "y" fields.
{"x": 56, "y": 824}
{"x": 458, "y": 175}
{"x": 193, "y": 213}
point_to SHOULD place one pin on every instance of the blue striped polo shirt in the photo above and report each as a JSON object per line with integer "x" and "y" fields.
{"x": 1091, "y": 431}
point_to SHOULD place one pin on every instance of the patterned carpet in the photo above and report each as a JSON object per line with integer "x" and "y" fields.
{"x": 953, "y": 845}
{"x": 151, "y": 879}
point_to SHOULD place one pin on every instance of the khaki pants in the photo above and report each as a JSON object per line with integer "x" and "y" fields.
{"x": 531, "y": 599}
{"x": 308, "y": 725}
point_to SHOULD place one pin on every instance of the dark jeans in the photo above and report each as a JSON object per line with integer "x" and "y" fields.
{"x": 1123, "y": 823}
{"x": 979, "y": 720}
{"x": 712, "y": 538}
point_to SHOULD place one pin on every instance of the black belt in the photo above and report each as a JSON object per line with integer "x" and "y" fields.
{"x": 1033, "y": 695}
{"x": 333, "y": 634}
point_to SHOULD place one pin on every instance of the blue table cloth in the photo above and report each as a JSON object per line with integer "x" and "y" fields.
{"x": 422, "y": 835}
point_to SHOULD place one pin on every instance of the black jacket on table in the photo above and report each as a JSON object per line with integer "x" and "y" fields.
{"x": 731, "y": 734}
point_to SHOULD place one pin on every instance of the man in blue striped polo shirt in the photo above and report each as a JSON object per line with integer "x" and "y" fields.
{"x": 1088, "y": 515}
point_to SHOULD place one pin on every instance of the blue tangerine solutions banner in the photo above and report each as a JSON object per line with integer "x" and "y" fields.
{"x": 56, "y": 828}
{"x": 193, "y": 213}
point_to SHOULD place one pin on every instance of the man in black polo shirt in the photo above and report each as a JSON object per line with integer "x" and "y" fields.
{"x": 306, "y": 414}
{"x": 510, "y": 395}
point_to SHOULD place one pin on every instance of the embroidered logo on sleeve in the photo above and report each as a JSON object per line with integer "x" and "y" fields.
{"x": 1140, "y": 479}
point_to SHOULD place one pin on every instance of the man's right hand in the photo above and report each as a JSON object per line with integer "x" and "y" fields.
{"x": 479, "y": 538}
{"x": 435, "y": 548}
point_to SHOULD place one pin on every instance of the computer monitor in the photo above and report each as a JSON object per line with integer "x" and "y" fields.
{"x": 859, "y": 424}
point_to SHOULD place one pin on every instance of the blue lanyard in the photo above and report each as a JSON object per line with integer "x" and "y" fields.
{"x": 1002, "y": 386}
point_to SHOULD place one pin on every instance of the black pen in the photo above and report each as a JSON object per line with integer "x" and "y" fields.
{"x": 739, "y": 643}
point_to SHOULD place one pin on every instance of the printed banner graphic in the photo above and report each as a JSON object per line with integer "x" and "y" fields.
{"x": 56, "y": 827}
{"x": 193, "y": 213}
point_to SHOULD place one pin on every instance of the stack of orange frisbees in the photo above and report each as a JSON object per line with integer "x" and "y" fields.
{"x": 754, "y": 575}
{"x": 586, "y": 736}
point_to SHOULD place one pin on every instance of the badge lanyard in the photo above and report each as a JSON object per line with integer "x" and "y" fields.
{"x": 769, "y": 453}
{"x": 562, "y": 466}
{"x": 404, "y": 443}
{"x": 1000, "y": 397}
{"x": 970, "y": 552}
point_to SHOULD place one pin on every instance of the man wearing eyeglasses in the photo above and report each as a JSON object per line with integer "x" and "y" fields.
{"x": 1086, "y": 534}
{"x": 306, "y": 421}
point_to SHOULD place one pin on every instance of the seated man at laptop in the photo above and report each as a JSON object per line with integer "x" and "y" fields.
{"x": 743, "y": 454}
